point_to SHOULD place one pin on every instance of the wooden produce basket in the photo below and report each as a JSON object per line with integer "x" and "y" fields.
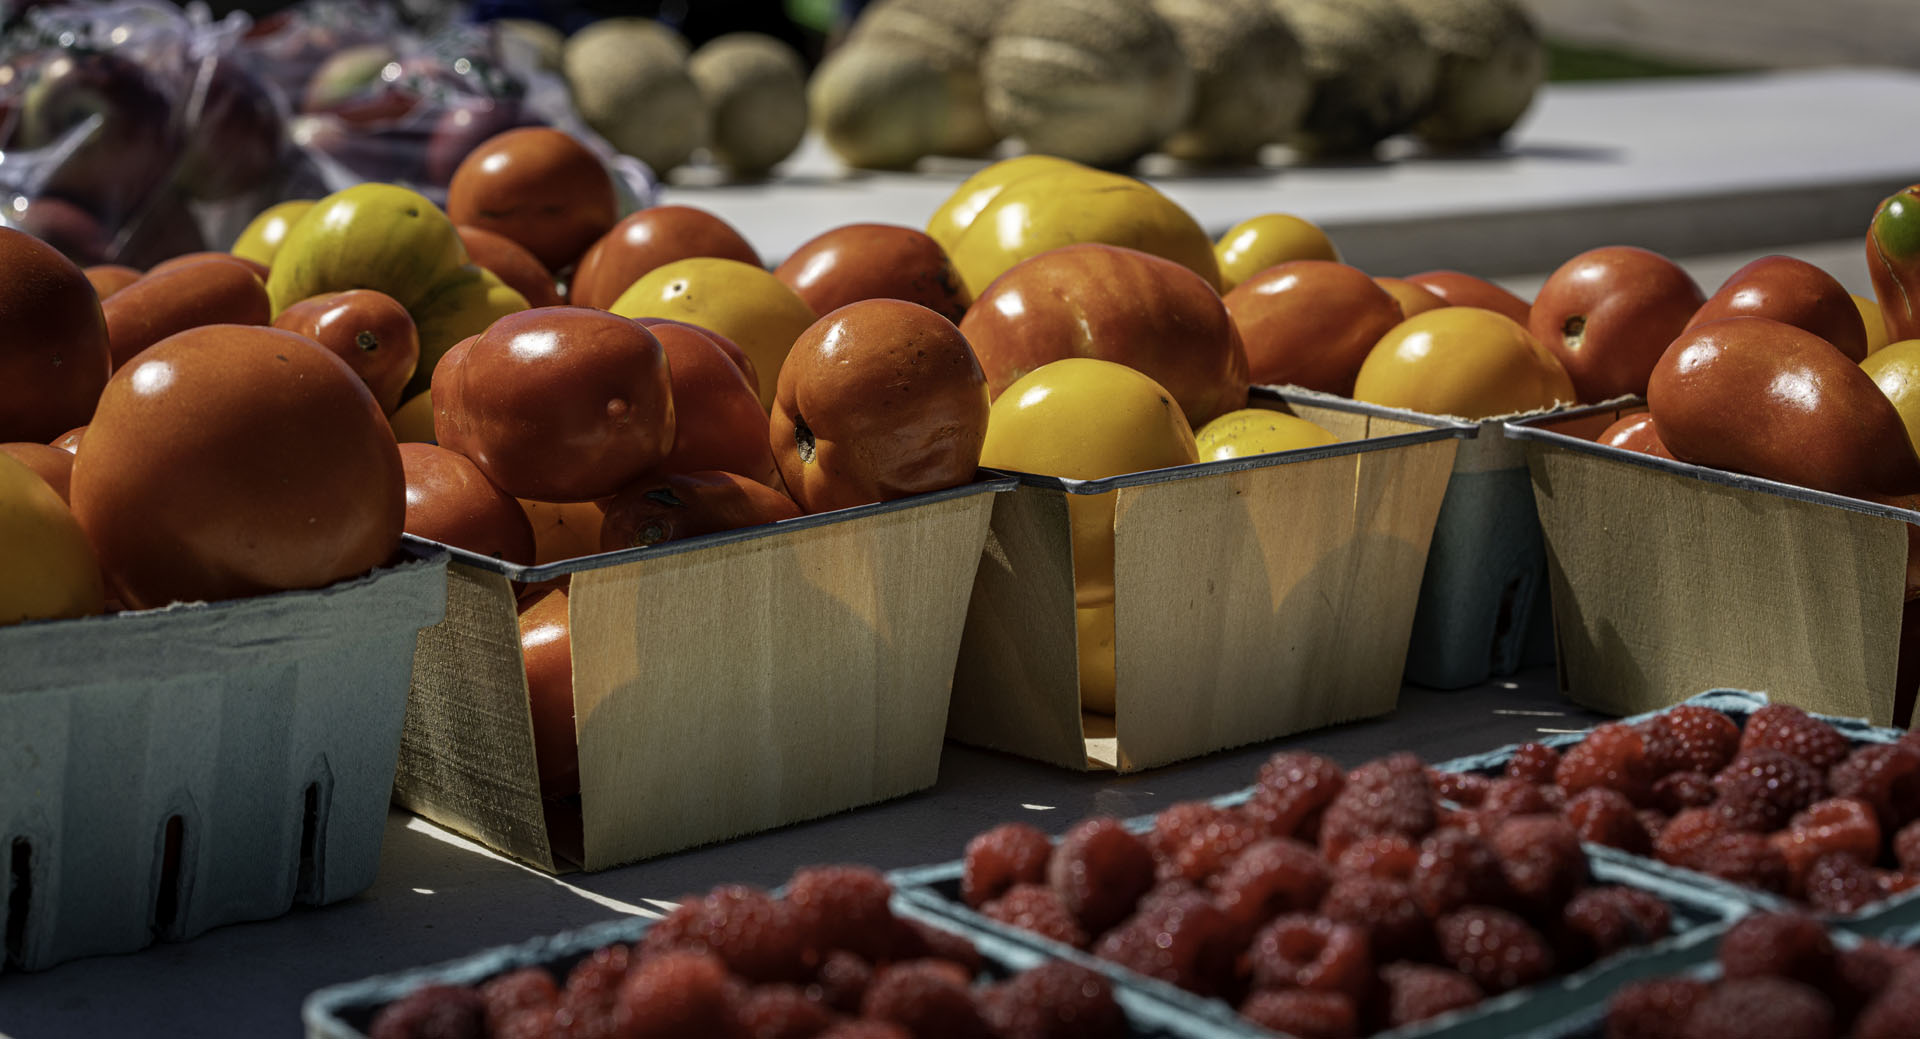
{"x": 1668, "y": 578}
{"x": 1255, "y": 597}
{"x": 722, "y": 685}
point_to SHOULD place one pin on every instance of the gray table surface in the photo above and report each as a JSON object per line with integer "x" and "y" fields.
{"x": 438, "y": 897}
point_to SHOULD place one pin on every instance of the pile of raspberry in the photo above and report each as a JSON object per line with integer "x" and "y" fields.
{"x": 1781, "y": 976}
{"x": 1328, "y": 904}
{"x": 1786, "y": 805}
{"x": 827, "y": 961}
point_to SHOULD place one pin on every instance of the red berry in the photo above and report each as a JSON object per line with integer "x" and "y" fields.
{"x": 1787, "y": 728}
{"x": 927, "y": 1000}
{"x": 1510, "y": 797}
{"x": 942, "y": 944}
{"x": 1603, "y": 816}
{"x": 1303, "y": 1014}
{"x": 1057, "y": 1001}
{"x": 433, "y": 1012}
{"x": 1312, "y": 952}
{"x": 1886, "y": 776}
{"x": 1183, "y": 940}
{"x": 1744, "y": 858}
{"x": 1039, "y": 909}
{"x": 841, "y": 982}
{"x": 1894, "y": 1013}
{"x": 533, "y": 1023}
{"x": 839, "y": 907}
{"x": 1456, "y": 869}
{"x": 529, "y": 988}
{"x": 1416, "y": 992}
{"x": 1733, "y": 1008}
{"x": 1385, "y": 909}
{"x": 1212, "y": 848}
{"x": 1543, "y": 860}
{"x": 1764, "y": 787}
{"x": 756, "y": 936}
{"x": 680, "y": 993}
{"x": 1866, "y": 968}
{"x": 1172, "y": 827}
{"x": 1906, "y": 847}
{"x": 1678, "y": 791}
{"x": 1700, "y": 739}
{"x": 1273, "y": 877}
{"x": 1605, "y": 920}
{"x": 1534, "y": 763}
{"x": 1840, "y": 883}
{"x": 1294, "y": 788}
{"x": 1656, "y": 1009}
{"x": 1009, "y": 854}
{"x": 1462, "y": 788}
{"x": 1390, "y": 795}
{"x": 1387, "y": 855}
{"x": 1681, "y": 840}
{"x": 1838, "y": 825}
{"x": 1495, "y": 948}
{"x": 1101, "y": 870}
{"x": 591, "y": 996}
{"x": 1612, "y": 755}
{"x": 782, "y": 1012}
{"x": 865, "y": 1030}
{"x": 1785, "y": 945}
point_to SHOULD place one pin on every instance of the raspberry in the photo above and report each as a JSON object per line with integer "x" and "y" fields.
{"x": 841, "y": 982}
{"x": 1893, "y": 882}
{"x": 1009, "y": 854}
{"x": 1173, "y": 827}
{"x": 529, "y": 988}
{"x": 1385, "y": 909}
{"x": 1732, "y": 1008}
{"x": 1213, "y": 848}
{"x": 1785, "y": 945}
{"x": 1295, "y": 787}
{"x": 1678, "y": 791}
{"x": 1495, "y": 948}
{"x": 782, "y": 1012}
{"x": 1457, "y": 869}
{"x": 1057, "y": 1001}
{"x": 1303, "y": 1014}
{"x": 1534, "y": 763}
{"x": 433, "y": 1012}
{"x": 1893, "y": 1012}
{"x": 1787, "y": 728}
{"x": 1840, "y": 883}
{"x": 1390, "y": 795}
{"x": 1184, "y": 941}
{"x": 679, "y": 993}
{"x": 865, "y": 1030}
{"x": 926, "y": 1000}
{"x": 838, "y": 907}
{"x": 1866, "y": 968}
{"x": 1101, "y": 870}
{"x": 1163, "y": 892}
{"x": 1601, "y": 921}
{"x": 1313, "y": 952}
{"x": 1612, "y": 755}
{"x": 1387, "y": 855}
{"x": 1744, "y": 858}
{"x": 1906, "y": 847}
{"x": 1764, "y": 787}
{"x": 1273, "y": 877}
{"x": 1416, "y": 992}
{"x": 1509, "y": 797}
{"x": 1680, "y": 841}
{"x": 756, "y": 936}
{"x": 1543, "y": 861}
{"x": 1656, "y": 1009}
{"x": 1462, "y": 788}
{"x": 1700, "y": 739}
{"x": 592, "y": 992}
{"x": 1039, "y": 910}
{"x": 1653, "y": 821}
{"x": 1604, "y": 816}
{"x": 532, "y": 1023}
{"x": 1837, "y": 825}
{"x": 945, "y": 945}
{"x": 1886, "y": 776}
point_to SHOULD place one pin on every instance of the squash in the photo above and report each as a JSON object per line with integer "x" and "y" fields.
{"x": 1373, "y": 74}
{"x": 1250, "y": 79}
{"x": 1491, "y": 63}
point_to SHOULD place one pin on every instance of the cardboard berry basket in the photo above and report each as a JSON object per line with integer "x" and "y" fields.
{"x": 1699, "y": 918}
{"x": 1255, "y": 597}
{"x": 1891, "y": 913}
{"x": 347, "y": 1011}
{"x": 722, "y": 685}
{"x": 167, "y": 771}
{"x": 1669, "y": 578}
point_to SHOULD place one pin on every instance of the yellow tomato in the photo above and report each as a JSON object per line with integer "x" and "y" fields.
{"x": 738, "y": 300}
{"x": 976, "y": 191}
{"x": 1268, "y": 241}
{"x": 1895, "y": 368}
{"x": 1462, "y": 361}
{"x": 462, "y": 305}
{"x": 1876, "y": 323}
{"x": 370, "y": 236}
{"x": 47, "y": 567}
{"x": 1257, "y": 431}
{"x": 563, "y": 530}
{"x": 1094, "y": 628}
{"x": 1084, "y": 419}
{"x": 1048, "y": 210}
{"x": 412, "y": 422}
{"x": 262, "y": 237}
